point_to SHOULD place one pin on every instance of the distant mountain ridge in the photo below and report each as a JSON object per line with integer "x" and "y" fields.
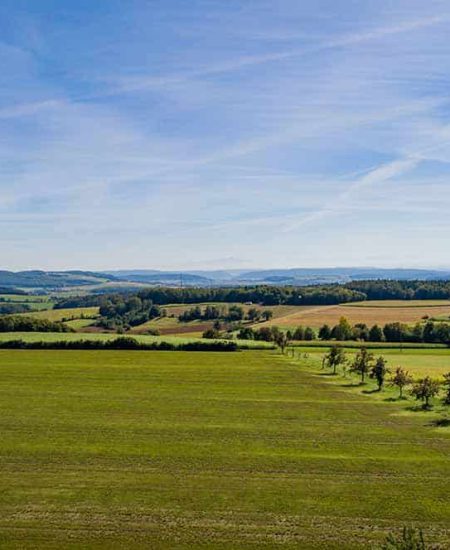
{"x": 46, "y": 280}
{"x": 292, "y": 276}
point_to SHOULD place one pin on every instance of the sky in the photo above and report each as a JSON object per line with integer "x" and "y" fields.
{"x": 204, "y": 134}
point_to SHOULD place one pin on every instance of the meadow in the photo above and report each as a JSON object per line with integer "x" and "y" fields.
{"x": 433, "y": 362}
{"x": 207, "y": 450}
{"x": 145, "y": 338}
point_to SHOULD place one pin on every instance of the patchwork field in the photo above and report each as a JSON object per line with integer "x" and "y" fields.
{"x": 363, "y": 313}
{"x": 207, "y": 450}
{"x": 171, "y": 324}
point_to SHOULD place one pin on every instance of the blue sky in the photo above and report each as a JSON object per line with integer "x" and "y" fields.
{"x": 210, "y": 134}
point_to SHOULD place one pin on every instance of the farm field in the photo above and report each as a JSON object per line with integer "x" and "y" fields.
{"x": 171, "y": 324}
{"x": 400, "y": 303}
{"x": 180, "y": 450}
{"x": 361, "y": 313}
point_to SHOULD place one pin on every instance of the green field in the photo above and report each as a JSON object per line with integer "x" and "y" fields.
{"x": 105, "y": 449}
{"x": 68, "y": 313}
{"x": 420, "y": 362}
{"x": 145, "y": 338}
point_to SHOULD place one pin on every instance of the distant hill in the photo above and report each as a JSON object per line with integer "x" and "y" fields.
{"x": 107, "y": 281}
{"x": 294, "y": 276}
{"x": 51, "y": 279}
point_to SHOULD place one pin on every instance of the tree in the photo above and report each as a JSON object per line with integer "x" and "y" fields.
{"x": 253, "y": 314}
{"x": 376, "y": 334}
{"x": 410, "y": 539}
{"x": 309, "y": 334}
{"x": 267, "y": 314}
{"x": 325, "y": 332}
{"x": 211, "y": 333}
{"x": 281, "y": 340}
{"x": 343, "y": 330}
{"x": 362, "y": 363}
{"x": 424, "y": 390}
{"x": 401, "y": 379}
{"x": 334, "y": 358}
{"x": 299, "y": 333}
{"x": 379, "y": 372}
{"x": 447, "y": 388}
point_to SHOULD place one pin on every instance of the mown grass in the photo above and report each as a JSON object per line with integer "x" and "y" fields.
{"x": 432, "y": 362}
{"x": 207, "y": 450}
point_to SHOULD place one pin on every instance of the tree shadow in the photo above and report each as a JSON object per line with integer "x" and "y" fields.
{"x": 327, "y": 374}
{"x": 418, "y": 408}
{"x": 440, "y": 422}
{"x": 368, "y": 392}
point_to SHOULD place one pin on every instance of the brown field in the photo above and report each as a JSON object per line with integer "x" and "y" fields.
{"x": 320, "y": 315}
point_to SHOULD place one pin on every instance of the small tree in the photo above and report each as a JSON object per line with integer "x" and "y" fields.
{"x": 253, "y": 314}
{"x": 267, "y": 314}
{"x": 281, "y": 340}
{"x": 309, "y": 334}
{"x": 379, "y": 371}
{"x": 362, "y": 363}
{"x": 325, "y": 332}
{"x": 334, "y": 358}
{"x": 401, "y": 379}
{"x": 424, "y": 390}
{"x": 447, "y": 388}
{"x": 376, "y": 334}
{"x": 409, "y": 539}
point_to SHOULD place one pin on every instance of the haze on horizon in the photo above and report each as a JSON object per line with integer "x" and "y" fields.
{"x": 210, "y": 134}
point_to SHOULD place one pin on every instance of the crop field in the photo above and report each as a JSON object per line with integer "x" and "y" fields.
{"x": 104, "y": 449}
{"x": 361, "y": 313}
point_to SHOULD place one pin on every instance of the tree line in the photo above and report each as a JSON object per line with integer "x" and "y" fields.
{"x": 21, "y": 323}
{"x": 364, "y": 364}
{"x": 121, "y": 343}
{"x": 428, "y": 332}
{"x": 231, "y": 314}
{"x": 327, "y": 294}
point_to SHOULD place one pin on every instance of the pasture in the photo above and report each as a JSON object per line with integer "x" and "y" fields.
{"x": 420, "y": 362}
{"x": 105, "y": 449}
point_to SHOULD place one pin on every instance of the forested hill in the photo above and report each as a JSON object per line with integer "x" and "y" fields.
{"x": 291, "y": 295}
{"x": 51, "y": 279}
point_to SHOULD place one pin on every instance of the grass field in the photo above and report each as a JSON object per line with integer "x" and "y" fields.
{"x": 207, "y": 450}
{"x": 73, "y": 336}
{"x": 36, "y": 303}
{"x": 420, "y": 362}
{"x": 383, "y": 312}
{"x": 61, "y": 314}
